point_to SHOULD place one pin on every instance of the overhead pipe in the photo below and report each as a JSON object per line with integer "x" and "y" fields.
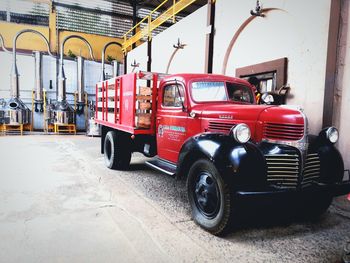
{"x": 3, "y": 45}
{"x": 61, "y": 96}
{"x": 14, "y": 71}
{"x": 103, "y": 76}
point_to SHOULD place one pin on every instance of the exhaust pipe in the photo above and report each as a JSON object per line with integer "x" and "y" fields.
{"x": 14, "y": 71}
{"x": 61, "y": 76}
{"x": 80, "y": 85}
{"x": 38, "y": 81}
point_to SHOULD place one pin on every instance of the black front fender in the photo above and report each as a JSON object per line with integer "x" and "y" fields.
{"x": 243, "y": 165}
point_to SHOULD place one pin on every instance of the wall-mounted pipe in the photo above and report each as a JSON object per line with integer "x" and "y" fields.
{"x": 2, "y": 45}
{"x": 14, "y": 71}
{"x": 177, "y": 47}
{"x": 61, "y": 96}
{"x": 103, "y": 75}
{"x": 262, "y": 13}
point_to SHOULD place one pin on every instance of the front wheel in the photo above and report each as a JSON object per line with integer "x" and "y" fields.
{"x": 209, "y": 197}
{"x": 315, "y": 208}
{"x": 117, "y": 153}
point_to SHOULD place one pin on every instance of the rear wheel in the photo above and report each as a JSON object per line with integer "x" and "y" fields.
{"x": 209, "y": 197}
{"x": 117, "y": 153}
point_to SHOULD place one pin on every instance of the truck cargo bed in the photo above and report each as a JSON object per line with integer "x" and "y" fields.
{"x": 128, "y": 102}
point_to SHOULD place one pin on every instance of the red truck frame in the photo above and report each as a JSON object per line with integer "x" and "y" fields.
{"x": 209, "y": 130}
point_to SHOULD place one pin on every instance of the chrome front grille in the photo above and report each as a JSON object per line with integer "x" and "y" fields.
{"x": 220, "y": 126}
{"x": 311, "y": 169}
{"x": 283, "y": 169}
{"x": 281, "y": 131}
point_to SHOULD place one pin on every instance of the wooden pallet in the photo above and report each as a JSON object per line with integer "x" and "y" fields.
{"x": 12, "y": 128}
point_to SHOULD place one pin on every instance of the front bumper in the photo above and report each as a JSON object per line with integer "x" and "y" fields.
{"x": 313, "y": 191}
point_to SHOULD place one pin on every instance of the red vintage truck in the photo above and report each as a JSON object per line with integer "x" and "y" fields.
{"x": 208, "y": 129}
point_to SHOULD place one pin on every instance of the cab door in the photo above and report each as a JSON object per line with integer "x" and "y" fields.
{"x": 171, "y": 121}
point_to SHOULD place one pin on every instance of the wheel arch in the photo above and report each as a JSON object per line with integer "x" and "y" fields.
{"x": 241, "y": 164}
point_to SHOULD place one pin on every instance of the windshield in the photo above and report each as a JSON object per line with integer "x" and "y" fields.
{"x": 204, "y": 91}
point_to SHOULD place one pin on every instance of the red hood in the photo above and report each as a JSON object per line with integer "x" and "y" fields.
{"x": 237, "y": 111}
{"x": 255, "y": 116}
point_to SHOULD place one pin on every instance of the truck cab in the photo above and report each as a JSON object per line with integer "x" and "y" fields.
{"x": 209, "y": 130}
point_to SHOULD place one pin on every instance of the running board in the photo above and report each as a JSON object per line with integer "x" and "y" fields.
{"x": 162, "y": 166}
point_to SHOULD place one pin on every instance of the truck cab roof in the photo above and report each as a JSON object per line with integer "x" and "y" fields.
{"x": 189, "y": 77}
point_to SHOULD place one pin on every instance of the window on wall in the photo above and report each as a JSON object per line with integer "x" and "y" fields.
{"x": 270, "y": 76}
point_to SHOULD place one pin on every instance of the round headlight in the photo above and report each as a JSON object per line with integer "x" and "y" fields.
{"x": 332, "y": 134}
{"x": 241, "y": 133}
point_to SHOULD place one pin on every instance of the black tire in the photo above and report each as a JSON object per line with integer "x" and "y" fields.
{"x": 314, "y": 209}
{"x": 209, "y": 197}
{"x": 117, "y": 153}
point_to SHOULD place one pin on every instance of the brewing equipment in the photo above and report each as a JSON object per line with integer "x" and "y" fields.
{"x": 15, "y": 112}
{"x": 2, "y": 101}
{"x": 61, "y": 112}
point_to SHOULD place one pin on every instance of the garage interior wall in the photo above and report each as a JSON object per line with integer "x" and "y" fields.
{"x": 341, "y": 115}
{"x": 191, "y": 31}
{"x": 297, "y": 30}
{"x": 283, "y": 32}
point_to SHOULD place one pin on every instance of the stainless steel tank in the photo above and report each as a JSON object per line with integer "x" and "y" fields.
{"x": 61, "y": 113}
{"x": 15, "y": 112}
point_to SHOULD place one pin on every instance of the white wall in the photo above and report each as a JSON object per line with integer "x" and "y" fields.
{"x": 298, "y": 30}
{"x": 192, "y": 31}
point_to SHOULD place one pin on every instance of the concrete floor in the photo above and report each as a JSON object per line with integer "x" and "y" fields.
{"x": 60, "y": 204}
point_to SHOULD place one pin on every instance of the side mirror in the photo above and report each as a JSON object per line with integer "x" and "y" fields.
{"x": 267, "y": 98}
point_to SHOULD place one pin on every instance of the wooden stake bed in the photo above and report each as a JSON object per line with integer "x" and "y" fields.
{"x": 128, "y": 102}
